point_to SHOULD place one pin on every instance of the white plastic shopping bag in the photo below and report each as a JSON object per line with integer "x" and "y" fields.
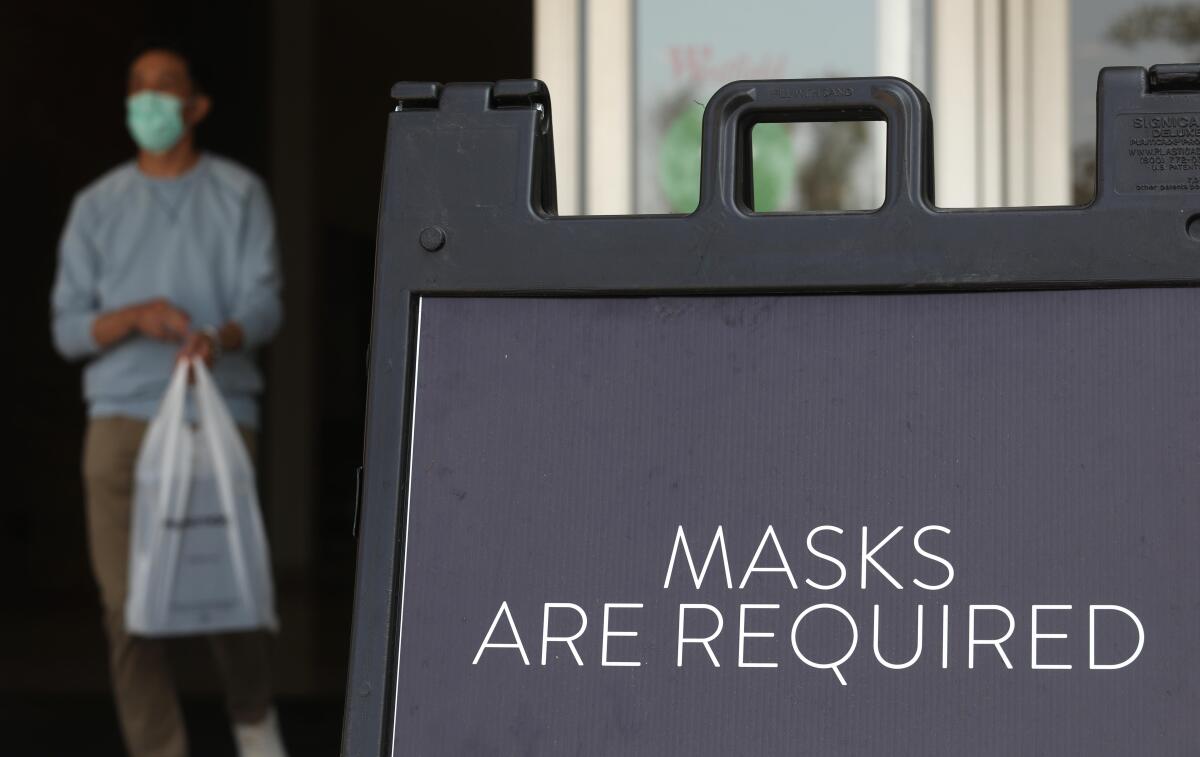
{"x": 198, "y": 559}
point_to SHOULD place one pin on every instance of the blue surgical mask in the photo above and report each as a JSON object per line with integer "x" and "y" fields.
{"x": 155, "y": 119}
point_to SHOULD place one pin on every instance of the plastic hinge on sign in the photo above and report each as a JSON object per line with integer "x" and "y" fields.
{"x": 410, "y": 95}
{"x": 1167, "y": 77}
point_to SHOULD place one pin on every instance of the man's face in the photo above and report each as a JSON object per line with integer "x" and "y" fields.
{"x": 164, "y": 71}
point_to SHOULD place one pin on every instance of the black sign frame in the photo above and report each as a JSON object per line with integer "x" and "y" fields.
{"x": 468, "y": 208}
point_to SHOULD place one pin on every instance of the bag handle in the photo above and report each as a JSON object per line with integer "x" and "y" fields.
{"x": 168, "y": 424}
{"x": 215, "y": 419}
{"x": 167, "y": 432}
{"x": 219, "y": 430}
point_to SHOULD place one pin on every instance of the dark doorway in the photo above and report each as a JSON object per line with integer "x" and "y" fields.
{"x": 301, "y": 91}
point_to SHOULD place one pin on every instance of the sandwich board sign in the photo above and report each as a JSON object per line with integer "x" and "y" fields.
{"x": 900, "y": 482}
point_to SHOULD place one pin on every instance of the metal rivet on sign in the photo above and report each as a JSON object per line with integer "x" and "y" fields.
{"x": 432, "y": 238}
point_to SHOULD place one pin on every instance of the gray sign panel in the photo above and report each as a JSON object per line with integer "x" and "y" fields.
{"x": 1020, "y": 471}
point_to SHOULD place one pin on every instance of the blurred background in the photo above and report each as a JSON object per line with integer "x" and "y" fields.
{"x": 301, "y": 97}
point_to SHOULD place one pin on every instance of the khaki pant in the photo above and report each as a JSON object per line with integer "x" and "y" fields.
{"x": 146, "y": 700}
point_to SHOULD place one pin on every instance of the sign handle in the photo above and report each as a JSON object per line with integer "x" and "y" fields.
{"x": 726, "y": 182}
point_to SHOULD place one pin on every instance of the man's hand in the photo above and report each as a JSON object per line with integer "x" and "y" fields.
{"x": 159, "y": 319}
{"x": 199, "y": 344}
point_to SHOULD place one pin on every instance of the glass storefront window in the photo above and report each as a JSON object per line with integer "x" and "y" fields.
{"x": 686, "y": 49}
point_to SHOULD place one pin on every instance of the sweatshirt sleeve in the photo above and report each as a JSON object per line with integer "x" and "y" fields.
{"x": 259, "y": 308}
{"x": 73, "y": 303}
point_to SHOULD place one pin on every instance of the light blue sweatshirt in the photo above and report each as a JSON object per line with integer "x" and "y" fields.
{"x": 205, "y": 241}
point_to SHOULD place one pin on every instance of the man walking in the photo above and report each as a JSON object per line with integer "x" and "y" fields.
{"x": 170, "y": 255}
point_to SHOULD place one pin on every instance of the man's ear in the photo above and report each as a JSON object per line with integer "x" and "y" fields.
{"x": 197, "y": 109}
